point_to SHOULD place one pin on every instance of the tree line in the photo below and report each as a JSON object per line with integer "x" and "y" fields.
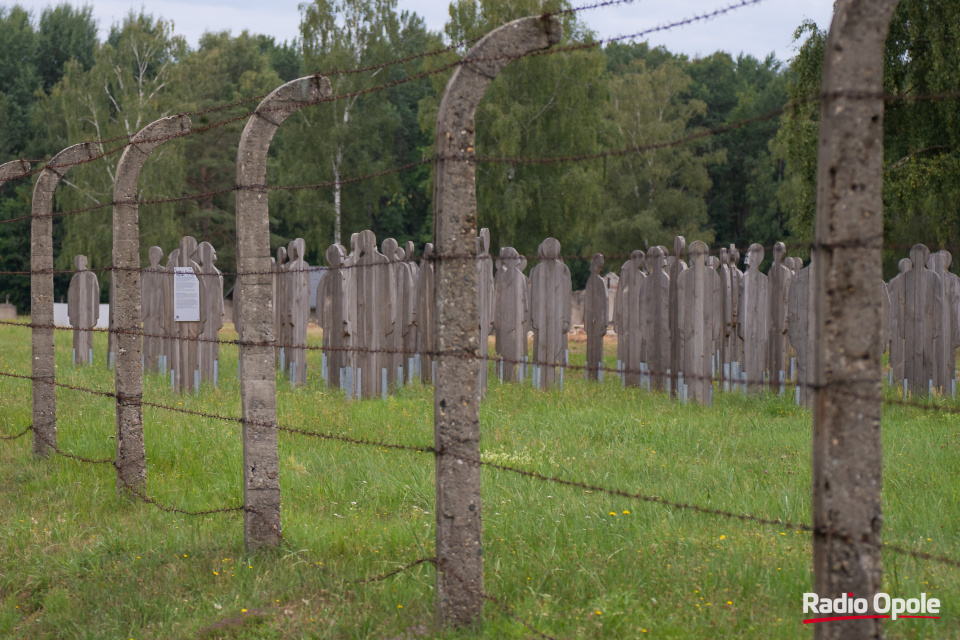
{"x": 60, "y": 84}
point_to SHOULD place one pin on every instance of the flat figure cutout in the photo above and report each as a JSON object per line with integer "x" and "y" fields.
{"x": 171, "y": 345}
{"x": 676, "y": 266}
{"x": 627, "y": 320}
{"x": 753, "y": 318}
{"x": 390, "y": 339}
{"x": 426, "y": 317}
{"x": 151, "y": 311}
{"x": 801, "y": 324}
{"x": 921, "y": 322}
{"x": 699, "y": 321}
{"x": 409, "y": 311}
{"x": 734, "y": 348}
{"x": 654, "y": 318}
{"x": 332, "y": 316}
{"x": 511, "y": 306}
{"x": 897, "y": 295}
{"x": 595, "y": 317}
{"x": 485, "y": 303}
{"x": 280, "y": 308}
{"x": 211, "y": 311}
{"x": 83, "y": 310}
{"x": 778, "y": 287}
{"x": 945, "y": 345}
{"x": 550, "y": 309}
{"x": 187, "y": 374}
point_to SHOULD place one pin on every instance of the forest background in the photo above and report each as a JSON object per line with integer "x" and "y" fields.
{"x": 60, "y": 85}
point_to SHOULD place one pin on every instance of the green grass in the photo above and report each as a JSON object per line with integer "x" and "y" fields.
{"x": 77, "y": 562}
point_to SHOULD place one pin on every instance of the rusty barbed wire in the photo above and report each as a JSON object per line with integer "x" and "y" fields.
{"x": 593, "y": 488}
{"x": 416, "y": 563}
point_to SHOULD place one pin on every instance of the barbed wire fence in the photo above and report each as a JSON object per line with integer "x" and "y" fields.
{"x": 929, "y": 405}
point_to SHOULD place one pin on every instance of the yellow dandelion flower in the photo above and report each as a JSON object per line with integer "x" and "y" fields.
{"x": 723, "y": 537}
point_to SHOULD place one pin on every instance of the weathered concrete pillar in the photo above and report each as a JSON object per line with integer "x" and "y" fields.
{"x": 41, "y": 293}
{"x": 847, "y": 464}
{"x": 127, "y": 299}
{"x": 457, "y": 392}
{"x": 258, "y": 385}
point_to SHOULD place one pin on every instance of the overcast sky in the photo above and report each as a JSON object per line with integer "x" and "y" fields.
{"x": 758, "y": 30}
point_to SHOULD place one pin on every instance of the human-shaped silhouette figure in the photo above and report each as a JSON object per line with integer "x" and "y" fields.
{"x": 83, "y": 310}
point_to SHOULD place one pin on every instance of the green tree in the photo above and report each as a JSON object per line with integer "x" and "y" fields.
{"x": 921, "y": 137}
{"x": 132, "y": 82}
{"x": 64, "y": 34}
{"x": 742, "y": 206}
{"x": 650, "y": 196}
{"x": 222, "y": 70}
{"x": 356, "y": 133}
{"x": 19, "y": 78}
{"x": 538, "y": 106}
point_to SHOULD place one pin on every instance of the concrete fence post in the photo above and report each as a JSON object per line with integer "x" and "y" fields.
{"x": 457, "y": 391}
{"x": 258, "y": 383}
{"x": 847, "y": 461}
{"x": 41, "y": 294}
{"x": 128, "y": 296}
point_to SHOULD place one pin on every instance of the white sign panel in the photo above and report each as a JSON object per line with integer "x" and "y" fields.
{"x": 186, "y": 295}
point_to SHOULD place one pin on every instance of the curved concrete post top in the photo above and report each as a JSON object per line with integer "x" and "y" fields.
{"x": 457, "y": 391}
{"x": 128, "y": 296}
{"x": 258, "y": 385}
{"x": 41, "y": 292}
{"x": 279, "y": 105}
{"x": 139, "y": 149}
{"x": 60, "y": 164}
{"x": 13, "y": 170}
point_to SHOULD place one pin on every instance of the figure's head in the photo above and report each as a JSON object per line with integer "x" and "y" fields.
{"x": 733, "y": 255}
{"x": 919, "y": 254}
{"x": 905, "y": 265}
{"x": 281, "y": 255}
{"x": 637, "y": 259}
{"x": 549, "y": 249}
{"x": 400, "y": 254}
{"x": 483, "y": 242}
{"x": 509, "y": 258}
{"x": 354, "y": 238}
{"x": 409, "y": 249}
{"x": 389, "y": 249}
{"x": 335, "y": 255}
{"x": 713, "y": 262}
{"x": 205, "y": 255}
{"x": 596, "y": 263}
{"x": 428, "y": 251}
{"x": 80, "y": 262}
{"x": 173, "y": 258}
{"x": 679, "y": 244}
{"x": 947, "y": 258}
{"x": 779, "y": 252}
{"x": 755, "y": 256}
{"x": 655, "y": 259}
{"x": 724, "y": 257}
{"x": 698, "y": 252}
{"x": 188, "y": 246}
{"x": 156, "y": 255}
{"x": 367, "y": 242}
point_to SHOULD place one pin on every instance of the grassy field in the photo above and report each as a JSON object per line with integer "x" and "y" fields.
{"x": 77, "y": 562}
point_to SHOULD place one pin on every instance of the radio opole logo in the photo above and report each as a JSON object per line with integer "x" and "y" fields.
{"x": 884, "y": 606}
